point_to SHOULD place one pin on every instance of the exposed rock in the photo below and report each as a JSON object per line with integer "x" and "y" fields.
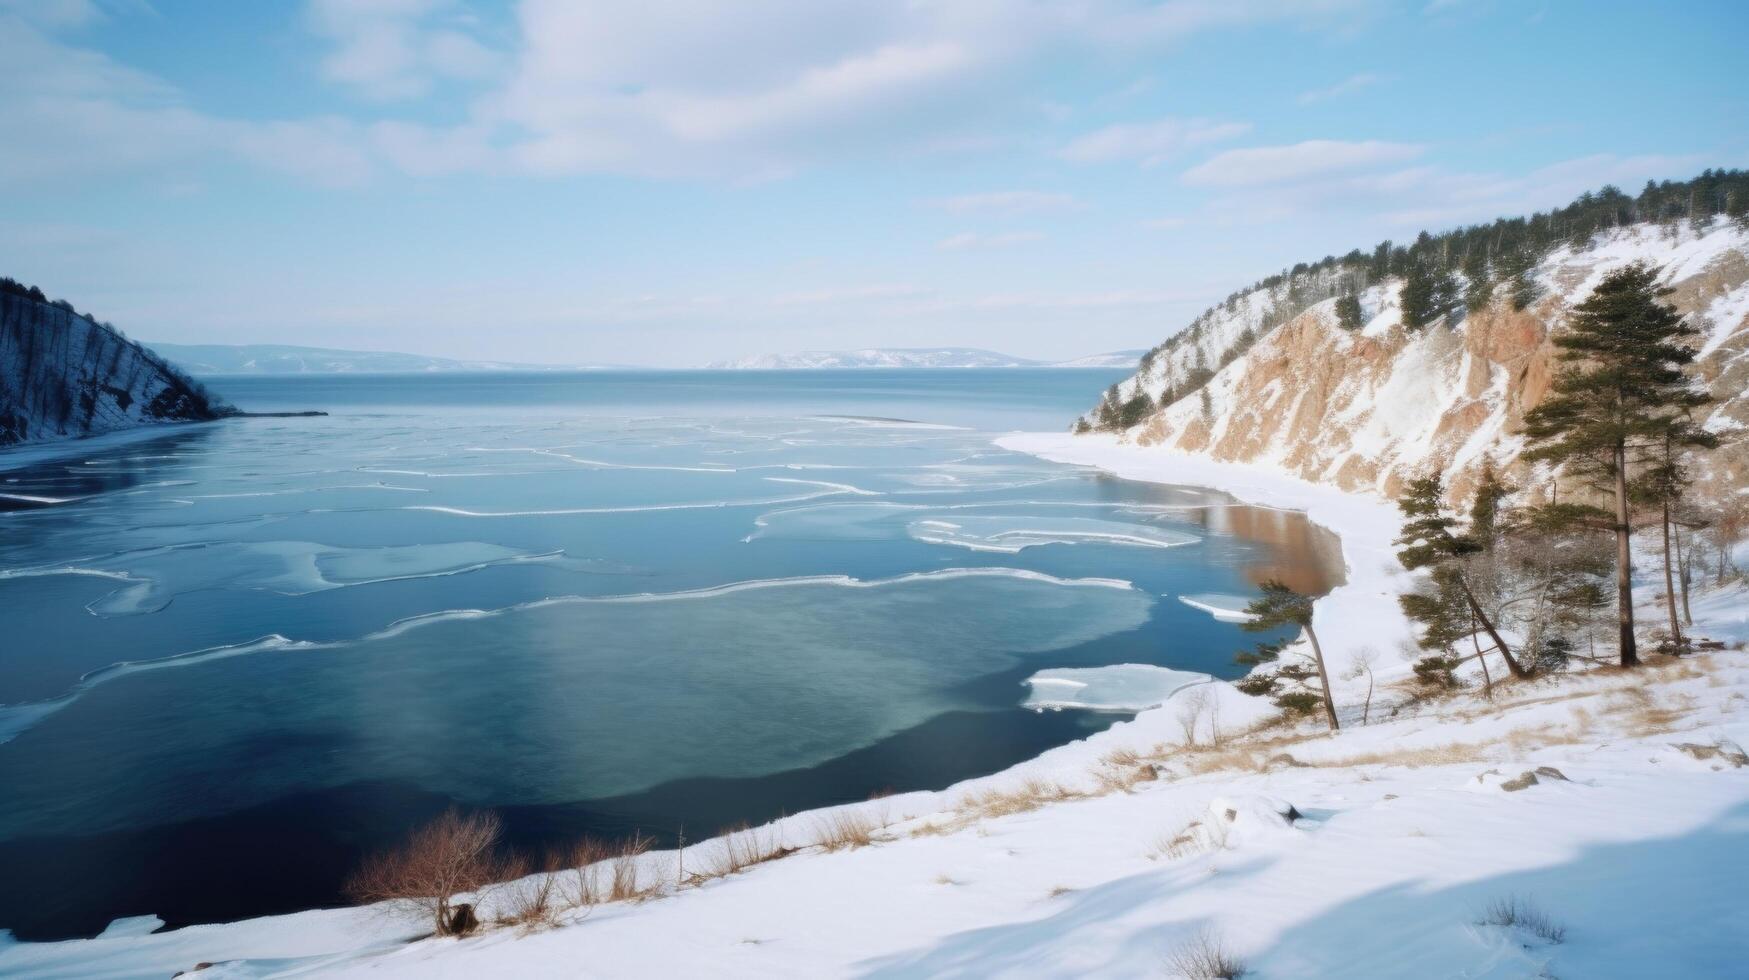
{"x": 1723, "y": 750}
{"x": 64, "y": 375}
{"x": 1371, "y": 409}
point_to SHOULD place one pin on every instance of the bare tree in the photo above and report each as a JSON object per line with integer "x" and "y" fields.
{"x": 456, "y": 854}
{"x": 1364, "y": 660}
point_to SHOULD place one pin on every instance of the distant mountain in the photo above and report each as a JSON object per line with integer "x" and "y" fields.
{"x": 914, "y": 357}
{"x": 65, "y": 375}
{"x": 287, "y": 359}
{"x": 1113, "y": 359}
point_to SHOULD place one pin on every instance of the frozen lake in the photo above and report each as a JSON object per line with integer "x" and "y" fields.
{"x": 238, "y": 655}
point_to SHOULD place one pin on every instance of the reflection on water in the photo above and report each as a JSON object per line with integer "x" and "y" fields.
{"x": 593, "y": 603}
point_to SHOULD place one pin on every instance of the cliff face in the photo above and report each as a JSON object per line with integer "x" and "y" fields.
{"x": 1371, "y": 408}
{"x": 63, "y": 376}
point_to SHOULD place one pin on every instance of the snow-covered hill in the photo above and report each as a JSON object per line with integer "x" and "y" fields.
{"x": 212, "y": 359}
{"x": 1369, "y": 408}
{"x": 63, "y": 375}
{"x": 1112, "y": 359}
{"x": 916, "y": 357}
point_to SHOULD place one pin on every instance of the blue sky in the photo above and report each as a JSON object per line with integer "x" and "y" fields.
{"x": 669, "y": 183}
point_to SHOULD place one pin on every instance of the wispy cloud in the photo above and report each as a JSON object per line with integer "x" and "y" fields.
{"x": 1298, "y": 161}
{"x": 973, "y": 239}
{"x": 1151, "y": 142}
{"x": 1348, "y": 86}
{"x": 397, "y": 49}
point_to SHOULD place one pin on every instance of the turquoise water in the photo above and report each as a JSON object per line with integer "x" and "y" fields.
{"x": 595, "y": 600}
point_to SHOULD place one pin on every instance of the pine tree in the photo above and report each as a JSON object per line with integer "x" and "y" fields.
{"x": 1429, "y": 541}
{"x": 1281, "y": 606}
{"x": 1622, "y": 386}
{"x": 1481, "y": 282}
{"x": 1348, "y": 313}
{"x": 1513, "y": 267}
{"x": 1428, "y": 293}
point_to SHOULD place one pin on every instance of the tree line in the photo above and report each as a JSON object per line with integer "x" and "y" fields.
{"x": 1442, "y": 275}
{"x": 1539, "y": 575}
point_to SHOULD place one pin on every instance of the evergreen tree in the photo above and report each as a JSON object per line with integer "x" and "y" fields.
{"x": 1429, "y": 541}
{"x": 1281, "y": 606}
{"x": 1135, "y": 410}
{"x": 1513, "y": 267}
{"x": 1622, "y": 387}
{"x": 1348, "y": 314}
{"x": 1428, "y": 293}
{"x": 1481, "y": 283}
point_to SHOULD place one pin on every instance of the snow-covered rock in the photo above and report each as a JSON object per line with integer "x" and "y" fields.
{"x": 1369, "y": 409}
{"x": 64, "y": 375}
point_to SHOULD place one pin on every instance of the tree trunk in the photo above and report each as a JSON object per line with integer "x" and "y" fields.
{"x": 1324, "y": 679}
{"x": 1518, "y": 670}
{"x": 1684, "y": 575}
{"x": 1670, "y": 585}
{"x": 1487, "y": 682}
{"x": 1624, "y": 563}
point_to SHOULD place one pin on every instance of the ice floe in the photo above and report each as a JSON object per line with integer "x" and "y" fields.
{"x": 1119, "y": 687}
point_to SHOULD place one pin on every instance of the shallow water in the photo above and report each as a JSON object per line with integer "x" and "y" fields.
{"x": 595, "y": 601}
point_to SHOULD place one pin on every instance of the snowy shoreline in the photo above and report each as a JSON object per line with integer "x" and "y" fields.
{"x": 1365, "y": 526}
{"x": 1376, "y": 853}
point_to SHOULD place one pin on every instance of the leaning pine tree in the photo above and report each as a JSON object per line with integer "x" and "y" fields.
{"x": 1281, "y": 606}
{"x": 1613, "y": 403}
{"x": 1429, "y": 541}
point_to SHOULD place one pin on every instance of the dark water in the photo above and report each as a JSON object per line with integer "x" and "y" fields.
{"x": 237, "y": 656}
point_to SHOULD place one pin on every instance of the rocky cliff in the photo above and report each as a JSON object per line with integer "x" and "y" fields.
{"x": 64, "y": 375}
{"x": 1368, "y": 408}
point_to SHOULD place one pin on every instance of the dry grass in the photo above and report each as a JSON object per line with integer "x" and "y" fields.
{"x": 1122, "y": 770}
{"x": 1028, "y": 796}
{"x": 1204, "y": 957}
{"x": 623, "y": 877}
{"x": 845, "y": 829}
{"x": 535, "y": 901}
{"x": 1513, "y": 912}
{"x": 1195, "y": 837}
{"x": 740, "y": 848}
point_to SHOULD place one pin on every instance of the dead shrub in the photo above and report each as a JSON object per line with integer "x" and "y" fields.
{"x": 1205, "y": 957}
{"x": 583, "y": 884}
{"x": 623, "y": 874}
{"x": 1513, "y": 912}
{"x": 453, "y": 855}
{"x": 534, "y": 901}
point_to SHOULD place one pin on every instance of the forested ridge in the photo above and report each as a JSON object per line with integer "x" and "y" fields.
{"x": 65, "y": 374}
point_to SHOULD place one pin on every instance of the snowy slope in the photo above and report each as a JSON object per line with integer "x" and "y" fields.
{"x": 63, "y": 375}
{"x": 1379, "y": 854}
{"x": 1368, "y": 409}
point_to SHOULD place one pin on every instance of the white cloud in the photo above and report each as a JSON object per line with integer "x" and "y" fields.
{"x": 1295, "y": 162}
{"x": 973, "y": 239}
{"x": 392, "y": 49}
{"x": 1006, "y": 202}
{"x": 1149, "y": 142}
{"x": 656, "y": 88}
{"x": 1347, "y": 86}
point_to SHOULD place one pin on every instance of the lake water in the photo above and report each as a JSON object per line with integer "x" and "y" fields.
{"x": 237, "y": 656}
